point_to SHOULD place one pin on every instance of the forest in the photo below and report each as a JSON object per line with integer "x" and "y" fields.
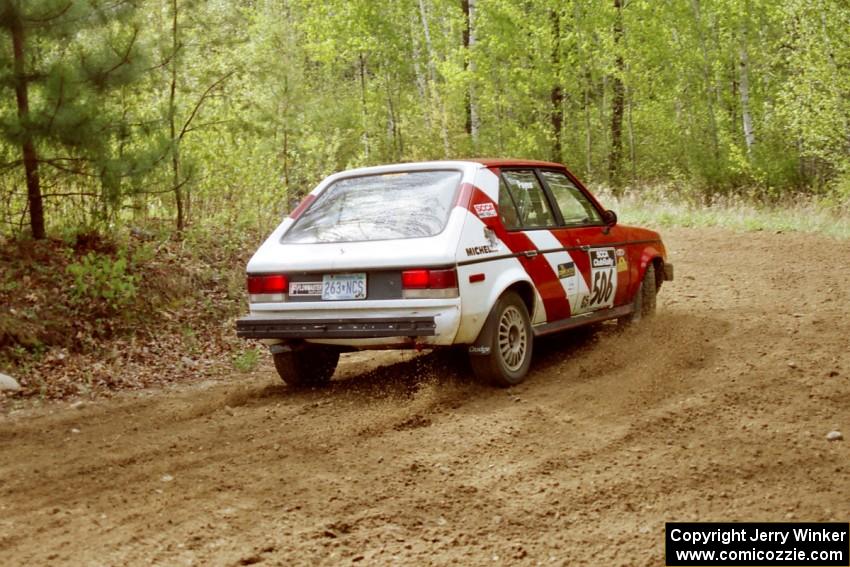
{"x": 174, "y": 114}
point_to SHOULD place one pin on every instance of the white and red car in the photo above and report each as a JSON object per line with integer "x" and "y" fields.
{"x": 484, "y": 253}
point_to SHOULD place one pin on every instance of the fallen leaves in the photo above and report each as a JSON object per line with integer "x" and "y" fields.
{"x": 179, "y": 327}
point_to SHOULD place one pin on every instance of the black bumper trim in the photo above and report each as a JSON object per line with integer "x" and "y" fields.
{"x": 360, "y": 328}
{"x": 583, "y": 319}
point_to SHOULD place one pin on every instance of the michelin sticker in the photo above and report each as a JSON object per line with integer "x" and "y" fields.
{"x": 478, "y": 250}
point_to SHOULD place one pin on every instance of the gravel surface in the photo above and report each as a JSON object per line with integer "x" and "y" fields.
{"x": 718, "y": 409}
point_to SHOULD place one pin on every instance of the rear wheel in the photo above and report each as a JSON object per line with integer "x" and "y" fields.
{"x": 645, "y": 299}
{"x": 509, "y": 356}
{"x": 309, "y": 366}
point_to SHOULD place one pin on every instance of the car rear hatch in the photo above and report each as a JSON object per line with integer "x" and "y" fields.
{"x": 369, "y": 257}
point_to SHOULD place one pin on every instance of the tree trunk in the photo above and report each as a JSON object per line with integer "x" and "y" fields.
{"x": 421, "y": 81}
{"x": 695, "y": 6}
{"x": 464, "y": 6}
{"x": 744, "y": 88}
{"x": 468, "y": 7}
{"x": 172, "y": 117}
{"x": 432, "y": 78}
{"x": 617, "y": 101}
{"x": 632, "y": 149}
{"x": 365, "y": 113}
{"x": 588, "y": 132}
{"x": 393, "y": 127}
{"x": 557, "y": 94}
{"x": 474, "y": 121}
{"x": 30, "y": 155}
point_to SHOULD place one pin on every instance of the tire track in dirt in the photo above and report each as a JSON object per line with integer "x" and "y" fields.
{"x": 715, "y": 410}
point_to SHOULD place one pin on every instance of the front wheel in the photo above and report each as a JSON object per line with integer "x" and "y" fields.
{"x": 508, "y": 358}
{"x": 645, "y": 298}
{"x": 309, "y": 366}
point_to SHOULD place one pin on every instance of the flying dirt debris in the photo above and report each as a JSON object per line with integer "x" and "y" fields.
{"x": 695, "y": 417}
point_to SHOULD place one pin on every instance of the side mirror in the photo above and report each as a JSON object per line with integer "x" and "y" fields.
{"x": 609, "y": 217}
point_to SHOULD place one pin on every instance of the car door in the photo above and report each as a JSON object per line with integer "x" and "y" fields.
{"x": 528, "y": 217}
{"x": 599, "y": 257}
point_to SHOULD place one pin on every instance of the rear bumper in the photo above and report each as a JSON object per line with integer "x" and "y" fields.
{"x": 264, "y": 327}
{"x": 399, "y": 323}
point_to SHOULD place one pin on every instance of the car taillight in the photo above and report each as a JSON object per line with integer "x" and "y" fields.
{"x": 429, "y": 279}
{"x": 414, "y": 279}
{"x": 276, "y": 283}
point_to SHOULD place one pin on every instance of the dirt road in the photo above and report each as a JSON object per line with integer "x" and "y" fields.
{"x": 715, "y": 410}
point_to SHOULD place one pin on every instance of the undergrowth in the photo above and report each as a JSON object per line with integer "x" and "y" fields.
{"x": 87, "y": 314}
{"x": 660, "y": 207}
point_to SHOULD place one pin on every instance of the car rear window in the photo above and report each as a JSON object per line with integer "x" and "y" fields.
{"x": 388, "y": 206}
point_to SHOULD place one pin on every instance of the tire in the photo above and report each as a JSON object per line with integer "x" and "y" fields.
{"x": 644, "y": 303}
{"x": 511, "y": 345}
{"x": 308, "y": 366}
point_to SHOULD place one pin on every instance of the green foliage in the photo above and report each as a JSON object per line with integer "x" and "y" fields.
{"x": 247, "y": 360}
{"x": 238, "y": 109}
{"x": 101, "y": 278}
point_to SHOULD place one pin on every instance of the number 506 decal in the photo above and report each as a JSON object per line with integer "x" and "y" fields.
{"x": 603, "y": 279}
{"x": 602, "y": 287}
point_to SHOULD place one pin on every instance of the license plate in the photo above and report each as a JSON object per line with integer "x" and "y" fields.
{"x": 343, "y": 286}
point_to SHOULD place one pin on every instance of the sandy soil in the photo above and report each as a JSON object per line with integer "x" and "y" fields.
{"x": 715, "y": 410}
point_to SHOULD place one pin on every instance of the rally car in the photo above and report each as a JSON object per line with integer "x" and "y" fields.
{"x": 488, "y": 254}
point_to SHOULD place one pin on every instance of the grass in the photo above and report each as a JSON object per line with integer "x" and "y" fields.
{"x": 649, "y": 208}
{"x": 247, "y": 360}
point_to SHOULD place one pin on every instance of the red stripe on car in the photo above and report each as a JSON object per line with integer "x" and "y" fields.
{"x": 538, "y": 269}
{"x": 302, "y": 206}
{"x": 463, "y": 195}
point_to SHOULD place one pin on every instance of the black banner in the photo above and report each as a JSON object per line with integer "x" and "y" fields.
{"x": 753, "y": 543}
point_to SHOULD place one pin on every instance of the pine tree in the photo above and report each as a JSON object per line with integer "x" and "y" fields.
{"x": 66, "y": 57}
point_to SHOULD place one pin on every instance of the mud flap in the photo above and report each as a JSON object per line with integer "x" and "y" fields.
{"x": 278, "y": 348}
{"x": 482, "y": 345}
{"x": 668, "y": 272}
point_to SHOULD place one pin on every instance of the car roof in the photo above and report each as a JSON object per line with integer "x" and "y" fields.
{"x": 455, "y": 164}
{"x": 507, "y": 162}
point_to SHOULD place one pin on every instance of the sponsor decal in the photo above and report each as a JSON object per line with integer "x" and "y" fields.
{"x": 622, "y": 265}
{"x": 301, "y": 289}
{"x": 479, "y": 250}
{"x": 485, "y": 210}
{"x": 492, "y": 239}
{"x": 601, "y": 258}
{"x": 620, "y": 252}
{"x": 567, "y": 270}
{"x": 603, "y": 279}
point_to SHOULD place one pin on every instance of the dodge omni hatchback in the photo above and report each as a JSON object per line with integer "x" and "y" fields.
{"x": 488, "y": 254}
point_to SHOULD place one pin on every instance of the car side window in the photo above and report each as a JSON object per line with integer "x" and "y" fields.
{"x": 532, "y": 208}
{"x": 575, "y": 207}
{"x": 507, "y": 209}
